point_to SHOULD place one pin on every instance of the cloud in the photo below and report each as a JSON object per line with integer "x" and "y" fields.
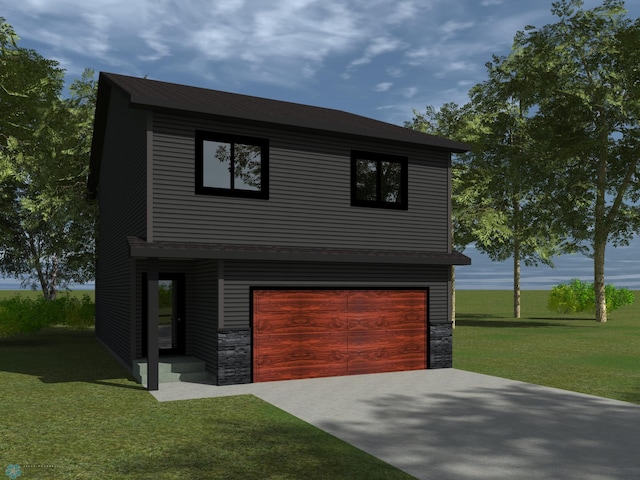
{"x": 383, "y": 87}
{"x": 404, "y": 11}
{"x": 395, "y": 72}
{"x": 452, "y": 27}
{"x": 378, "y": 46}
{"x": 410, "y": 92}
{"x": 490, "y": 3}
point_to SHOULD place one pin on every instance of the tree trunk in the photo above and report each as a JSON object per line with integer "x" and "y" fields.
{"x": 600, "y": 237}
{"x": 516, "y": 279}
{"x": 598, "y": 281}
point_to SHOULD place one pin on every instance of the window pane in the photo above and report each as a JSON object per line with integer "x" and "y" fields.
{"x": 366, "y": 180}
{"x": 247, "y": 163}
{"x": 167, "y": 333}
{"x": 216, "y": 164}
{"x": 391, "y": 178}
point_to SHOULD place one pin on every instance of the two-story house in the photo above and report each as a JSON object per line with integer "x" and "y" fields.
{"x": 268, "y": 239}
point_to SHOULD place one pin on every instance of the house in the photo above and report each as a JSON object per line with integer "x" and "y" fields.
{"x": 286, "y": 241}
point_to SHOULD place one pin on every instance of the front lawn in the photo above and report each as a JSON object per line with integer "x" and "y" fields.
{"x": 571, "y": 352}
{"x": 68, "y": 411}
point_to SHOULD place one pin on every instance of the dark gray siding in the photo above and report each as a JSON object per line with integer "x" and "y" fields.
{"x": 202, "y": 307}
{"x": 240, "y": 276}
{"x": 122, "y": 204}
{"x": 309, "y": 202}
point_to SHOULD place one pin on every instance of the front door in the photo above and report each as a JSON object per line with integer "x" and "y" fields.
{"x": 171, "y": 321}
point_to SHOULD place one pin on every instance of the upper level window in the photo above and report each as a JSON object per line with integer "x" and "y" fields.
{"x": 232, "y": 165}
{"x": 379, "y": 180}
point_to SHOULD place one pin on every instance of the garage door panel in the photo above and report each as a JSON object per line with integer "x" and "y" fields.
{"x": 317, "y": 333}
{"x": 371, "y": 352}
{"x": 386, "y": 320}
{"x": 279, "y": 357}
{"x": 300, "y": 301}
{"x": 375, "y": 300}
{"x": 288, "y": 371}
{"x": 295, "y": 323}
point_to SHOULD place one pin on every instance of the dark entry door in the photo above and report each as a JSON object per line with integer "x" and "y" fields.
{"x": 171, "y": 314}
{"x": 171, "y": 308}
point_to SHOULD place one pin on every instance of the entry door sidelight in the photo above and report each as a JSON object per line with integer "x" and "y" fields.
{"x": 171, "y": 309}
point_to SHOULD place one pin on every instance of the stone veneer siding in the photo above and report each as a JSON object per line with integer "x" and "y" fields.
{"x": 440, "y": 346}
{"x": 234, "y": 356}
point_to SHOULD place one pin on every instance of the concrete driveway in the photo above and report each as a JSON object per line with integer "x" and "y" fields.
{"x": 451, "y": 424}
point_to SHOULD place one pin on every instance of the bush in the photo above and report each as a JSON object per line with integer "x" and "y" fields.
{"x": 21, "y": 315}
{"x": 578, "y": 296}
{"x": 18, "y": 315}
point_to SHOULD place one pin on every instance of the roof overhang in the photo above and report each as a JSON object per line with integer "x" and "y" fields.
{"x": 140, "y": 248}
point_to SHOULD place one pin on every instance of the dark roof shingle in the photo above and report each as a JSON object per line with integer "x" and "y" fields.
{"x": 152, "y": 94}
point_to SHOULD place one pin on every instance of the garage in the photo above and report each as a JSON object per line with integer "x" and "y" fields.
{"x": 320, "y": 333}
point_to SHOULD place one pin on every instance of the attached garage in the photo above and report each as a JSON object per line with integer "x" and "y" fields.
{"x": 319, "y": 333}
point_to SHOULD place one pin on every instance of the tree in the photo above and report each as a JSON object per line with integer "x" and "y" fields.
{"x": 495, "y": 200}
{"x": 47, "y": 229}
{"x": 473, "y": 217}
{"x": 583, "y": 80}
{"x": 517, "y": 168}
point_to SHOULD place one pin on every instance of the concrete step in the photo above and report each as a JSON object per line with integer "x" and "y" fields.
{"x": 174, "y": 369}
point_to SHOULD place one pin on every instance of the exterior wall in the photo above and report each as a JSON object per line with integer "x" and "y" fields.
{"x": 234, "y": 358}
{"x": 241, "y": 275}
{"x": 310, "y": 188}
{"x": 202, "y": 308}
{"x": 122, "y": 209}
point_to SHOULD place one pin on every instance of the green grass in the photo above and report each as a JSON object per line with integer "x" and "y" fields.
{"x": 571, "y": 352}
{"x": 68, "y": 411}
{"x": 37, "y": 293}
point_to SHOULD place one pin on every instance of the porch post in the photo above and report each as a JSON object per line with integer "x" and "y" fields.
{"x": 152, "y": 324}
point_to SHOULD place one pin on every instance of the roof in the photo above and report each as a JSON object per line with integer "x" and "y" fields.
{"x": 152, "y": 94}
{"x": 182, "y": 99}
{"x": 140, "y": 248}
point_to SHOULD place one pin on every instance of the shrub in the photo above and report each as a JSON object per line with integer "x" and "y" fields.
{"x": 578, "y": 296}
{"x": 21, "y": 315}
{"x": 18, "y": 315}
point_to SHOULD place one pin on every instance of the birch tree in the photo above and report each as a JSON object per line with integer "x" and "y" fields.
{"x": 583, "y": 75}
{"x": 47, "y": 228}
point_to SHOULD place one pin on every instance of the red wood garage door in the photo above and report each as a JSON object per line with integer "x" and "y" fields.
{"x": 321, "y": 333}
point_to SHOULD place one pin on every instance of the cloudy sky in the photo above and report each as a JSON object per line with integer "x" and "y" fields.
{"x": 377, "y": 58}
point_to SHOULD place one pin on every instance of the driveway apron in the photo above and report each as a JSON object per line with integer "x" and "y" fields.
{"x": 452, "y": 424}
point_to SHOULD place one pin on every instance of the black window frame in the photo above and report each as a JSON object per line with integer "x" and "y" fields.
{"x": 403, "y": 204}
{"x": 263, "y": 143}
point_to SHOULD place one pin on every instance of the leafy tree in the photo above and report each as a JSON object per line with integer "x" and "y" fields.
{"x": 555, "y": 141}
{"x": 473, "y": 216}
{"x": 582, "y": 77}
{"x": 495, "y": 193}
{"x": 47, "y": 228}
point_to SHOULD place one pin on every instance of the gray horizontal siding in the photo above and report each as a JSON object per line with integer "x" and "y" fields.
{"x": 241, "y": 276}
{"x": 122, "y": 205}
{"x": 202, "y": 307}
{"x": 309, "y": 202}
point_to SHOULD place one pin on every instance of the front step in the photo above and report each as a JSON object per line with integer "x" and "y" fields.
{"x": 174, "y": 369}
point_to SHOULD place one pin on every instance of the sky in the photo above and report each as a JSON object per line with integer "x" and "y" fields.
{"x": 377, "y": 58}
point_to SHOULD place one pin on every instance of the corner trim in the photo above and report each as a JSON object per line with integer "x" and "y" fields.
{"x": 149, "y": 176}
